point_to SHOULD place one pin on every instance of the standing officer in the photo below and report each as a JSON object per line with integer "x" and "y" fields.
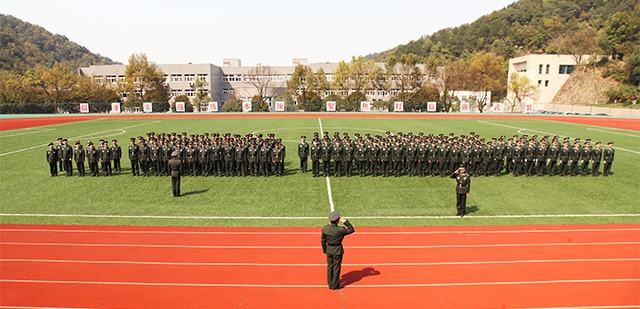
{"x": 190, "y": 157}
{"x": 134, "y": 157}
{"x": 541, "y": 157}
{"x": 565, "y": 154}
{"x": 315, "y": 158}
{"x": 608, "y": 155}
{"x": 529, "y": 158}
{"x": 303, "y": 153}
{"x": 202, "y": 153}
{"x": 116, "y": 155}
{"x": 585, "y": 154}
{"x": 463, "y": 185}
{"x": 332, "y": 236}
{"x": 166, "y": 151}
{"x": 79, "y": 157}
{"x": 144, "y": 157}
{"x": 336, "y": 156}
{"x": 277, "y": 158}
{"x": 518, "y": 155}
{"x": 175, "y": 170}
{"x": 228, "y": 155}
{"x": 67, "y": 155}
{"x": 52, "y": 159}
{"x": 411, "y": 153}
{"x": 396, "y": 157}
{"x": 575, "y": 158}
{"x": 92, "y": 158}
{"x": 385, "y": 158}
{"x": 265, "y": 158}
{"x": 59, "y": 150}
{"x": 347, "y": 157}
{"x": 432, "y": 159}
{"x": 596, "y": 157}
{"x": 154, "y": 151}
{"x": 422, "y": 157}
{"x": 554, "y": 152}
{"x": 105, "y": 159}
{"x": 326, "y": 158}
{"x": 252, "y": 157}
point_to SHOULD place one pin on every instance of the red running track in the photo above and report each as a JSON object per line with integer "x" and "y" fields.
{"x": 27, "y": 122}
{"x": 581, "y": 266}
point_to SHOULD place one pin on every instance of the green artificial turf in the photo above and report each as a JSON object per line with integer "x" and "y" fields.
{"x": 27, "y": 188}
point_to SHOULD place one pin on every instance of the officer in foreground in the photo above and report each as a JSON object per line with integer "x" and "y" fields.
{"x": 175, "y": 170}
{"x": 332, "y": 236}
{"x": 463, "y": 184}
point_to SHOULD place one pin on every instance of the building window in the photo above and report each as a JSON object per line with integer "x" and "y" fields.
{"x": 121, "y": 77}
{"x": 546, "y": 83}
{"x": 463, "y": 98}
{"x": 548, "y": 68}
{"x": 176, "y": 92}
{"x": 189, "y": 77}
{"x": 202, "y": 77}
{"x": 540, "y": 69}
{"x": 227, "y": 91}
{"x": 176, "y": 77}
{"x": 566, "y": 69}
{"x": 190, "y": 93}
{"x": 539, "y": 82}
{"x": 111, "y": 78}
{"x": 231, "y": 78}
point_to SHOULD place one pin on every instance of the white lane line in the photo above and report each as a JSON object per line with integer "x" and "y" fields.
{"x": 25, "y": 133}
{"x": 86, "y": 135}
{"x": 314, "y": 233}
{"x": 316, "y": 247}
{"x": 321, "y": 265}
{"x": 327, "y": 176}
{"x": 324, "y": 286}
{"x": 316, "y": 218}
{"x": 548, "y": 133}
{"x": 603, "y": 131}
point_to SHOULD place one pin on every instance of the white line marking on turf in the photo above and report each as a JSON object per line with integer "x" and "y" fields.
{"x": 86, "y": 135}
{"x": 324, "y": 286}
{"x": 525, "y": 129}
{"x": 320, "y": 265}
{"x": 316, "y": 218}
{"x": 591, "y": 129}
{"x": 315, "y": 247}
{"x": 314, "y": 233}
{"x": 25, "y": 133}
{"x": 332, "y": 206}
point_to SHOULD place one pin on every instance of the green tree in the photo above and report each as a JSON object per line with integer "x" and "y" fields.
{"x": 188, "y": 107}
{"x": 202, "y": 95}
{"x": 579, "y": 43}
{"x": 520, "y": 88}
{"x": 451, "y": 76}
{"x": 619, "y": 31}
{"x": 261, "y": 78}
{"x": 487, "y": 73}
{"x": 355, "y": 77}
{"x": 232, "y": 106}
{"x": 144, "y": 81}
{"x": 404, "y": 75}
{"x": 56, "y": 82}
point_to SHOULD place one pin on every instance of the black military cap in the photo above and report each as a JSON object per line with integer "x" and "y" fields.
{"x": 133, "y": 139}
{"x": 387, "y": 132}
{"x": 482, "y": 139}
{"x": 114, "y": 141}
{"x": 60, "y": 139}
{"x": 610, "y": 143}
{"x": 184, "y": 133}
{"x": 50, "y": 144}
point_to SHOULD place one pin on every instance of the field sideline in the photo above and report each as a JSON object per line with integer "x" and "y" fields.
{"x": 299, "y": 200}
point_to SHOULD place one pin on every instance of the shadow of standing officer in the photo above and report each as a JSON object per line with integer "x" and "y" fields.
{"x": 332, "y": 236}
{"x": 175, "y": 168}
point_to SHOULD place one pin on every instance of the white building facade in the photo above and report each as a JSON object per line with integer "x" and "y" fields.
{"x": 549, "y": 72}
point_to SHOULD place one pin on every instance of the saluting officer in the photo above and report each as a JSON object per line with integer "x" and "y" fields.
{"x": 463, "y": 185}
{"x": 52, "y": 159}
{"x": 303, "y": 153}
{"x": 332, "y": 236}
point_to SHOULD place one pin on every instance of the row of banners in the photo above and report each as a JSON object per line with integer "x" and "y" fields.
{"x": 147, "y": 107}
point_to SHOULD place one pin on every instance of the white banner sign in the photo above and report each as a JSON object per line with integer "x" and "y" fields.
{"x": 528, "y": 108}
{"x": 246, "y": 106}
{"x": 497, "y": 107}
{"x": 365, "y": 106}
{"x": 179, "y": 106}
{"x": 432, "y": 106}
{"x": 398, "y": 106}
{"x": 331, "y": 106}
{"x": 464, "y": 107}
{"x": 84, "y": 107}
{"x": 213, "y": 106}
{"x": 147, "y": 107}
{"x": 279, "y": 106}
{"x": 115, "y": 107}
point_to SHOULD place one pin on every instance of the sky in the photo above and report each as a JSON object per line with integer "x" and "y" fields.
{"x": 266, "y": 32}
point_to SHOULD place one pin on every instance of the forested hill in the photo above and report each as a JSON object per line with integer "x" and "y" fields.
{"x": 533, "y": 26}
{"x": 23, "y": 45}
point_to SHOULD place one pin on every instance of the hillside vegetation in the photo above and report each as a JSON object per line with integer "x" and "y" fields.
{"x": 24, "y": 45}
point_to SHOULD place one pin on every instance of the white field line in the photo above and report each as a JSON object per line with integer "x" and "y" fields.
{"x": 547, "y": 133}
{"x": 624, "y": 243}
{"x": 321, "y": 265}
{"x": 332, "y": 206}
{"x": 611, "y": 132}
{"x": 25, "y": 133}
{"x": 316, "y": 218}
{"x": 4, "y": 231}
{"x": 86, "y": 135}
{"x": 323, "y": 286}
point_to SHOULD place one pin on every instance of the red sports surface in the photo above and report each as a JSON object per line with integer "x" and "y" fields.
{"x": 620, "y": 123}
{"x": 585, "y": 266}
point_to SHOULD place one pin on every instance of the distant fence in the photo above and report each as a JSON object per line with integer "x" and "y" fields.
{"x": 320, "y": 106}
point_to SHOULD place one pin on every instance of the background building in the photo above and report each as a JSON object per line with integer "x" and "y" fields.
{"x": 549, "y": 72}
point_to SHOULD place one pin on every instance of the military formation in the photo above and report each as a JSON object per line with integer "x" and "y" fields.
{"x": 199, "y": 154}
{"x": 419, "y": 155}
{"x": 440, "y": 155}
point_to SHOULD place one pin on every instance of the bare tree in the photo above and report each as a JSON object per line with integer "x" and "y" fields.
{"x": 262, "y": 79}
